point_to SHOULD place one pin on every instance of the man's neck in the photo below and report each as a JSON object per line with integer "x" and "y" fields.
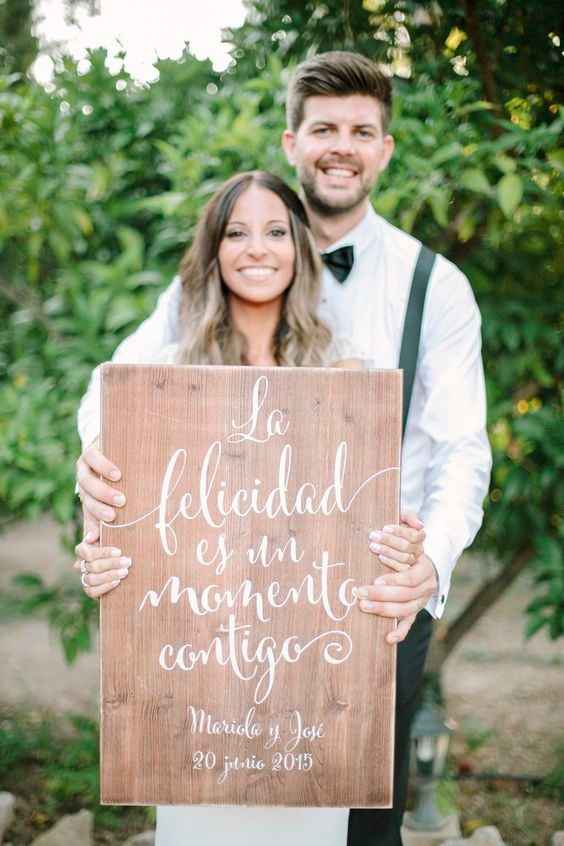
{"x": 327, "y": 230}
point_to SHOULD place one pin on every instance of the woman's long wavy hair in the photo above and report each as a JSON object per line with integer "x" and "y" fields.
{"x": 210, "y": 337}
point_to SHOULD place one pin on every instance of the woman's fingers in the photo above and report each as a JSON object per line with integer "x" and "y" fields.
{"x": 394, "y": 565}
{"x": 105, "y": 565}
{"x": 102, "y": 568}
{"x": 90, "y": 552}
{"x": 93, "y": 580}
{"x": 397, "y": 543}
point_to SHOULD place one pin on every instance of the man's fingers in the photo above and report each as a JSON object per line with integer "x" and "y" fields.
{"x": 393, "y": 609}
{"x": 91, "y": 526}
{"x": 422, "y": 571}
{"x": 97, "y": 510}
{"x": 100, "y": 464}
{"x": 381, "y": 595}
{"x": 411, "y": 519}
{"x": 91, "y": 484}
{"x": 97, "y": 592}
{"x": 402, "y": 629}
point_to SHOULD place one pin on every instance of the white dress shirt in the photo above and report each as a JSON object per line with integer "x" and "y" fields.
{"x": 446, "y": 457}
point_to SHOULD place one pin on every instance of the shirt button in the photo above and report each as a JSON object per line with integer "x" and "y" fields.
{"x": 443, "y": 598}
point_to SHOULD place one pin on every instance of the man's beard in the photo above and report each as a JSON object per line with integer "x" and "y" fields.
{"x": 333, "y": 208}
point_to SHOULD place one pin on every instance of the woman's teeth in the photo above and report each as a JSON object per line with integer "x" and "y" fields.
{"x": 257, "y": 272}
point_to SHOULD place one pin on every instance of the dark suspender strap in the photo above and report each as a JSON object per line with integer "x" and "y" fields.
{"x": 412, "y": 325}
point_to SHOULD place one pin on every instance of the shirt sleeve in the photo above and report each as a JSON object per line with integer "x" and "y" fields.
{"x": 159, "y": 330}
{"x": 457, "y": 475}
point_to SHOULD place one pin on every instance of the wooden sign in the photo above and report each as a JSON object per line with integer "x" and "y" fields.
{"x": 236, "y": 667}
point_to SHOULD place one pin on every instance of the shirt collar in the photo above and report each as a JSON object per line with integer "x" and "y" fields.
{"x": 361, "y": 235}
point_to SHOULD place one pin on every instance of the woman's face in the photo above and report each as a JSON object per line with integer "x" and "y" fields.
{"x": 257, "y": 253}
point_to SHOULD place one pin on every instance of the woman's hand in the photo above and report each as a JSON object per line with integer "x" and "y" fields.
{"x": 102, "y": 568}
{"x": 399, "y": 547}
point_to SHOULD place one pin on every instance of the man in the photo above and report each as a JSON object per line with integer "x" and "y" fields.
{"x": 338, "y": 110}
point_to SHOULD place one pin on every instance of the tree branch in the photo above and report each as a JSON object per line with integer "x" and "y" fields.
{"x": 482, "y": 57}
{"x": 483, "y": 600}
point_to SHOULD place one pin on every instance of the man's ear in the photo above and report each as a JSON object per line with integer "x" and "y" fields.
{"x": 288, "y": 145}
{"x": 388, "y": 151}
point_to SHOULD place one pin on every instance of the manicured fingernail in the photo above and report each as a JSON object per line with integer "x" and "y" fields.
{"x": 89, "y": 537}
{"x": 375, "y": 536}
{"x": 123, "y": 573}
{"x": 381, "y": 580}
{"x": 108, "y": 515}
{"x": 125, "y": 561}
{"x": 362, "y": 592}
{"x": 119, "y": 499}
{"x": 116, "y": 583}
{"x": 375, "y": 547}
{"x": 367, "y": 606}
{"x": 115, "y": 475}
{"x": 115, "y": 553}
{"x": 389, "y": 529}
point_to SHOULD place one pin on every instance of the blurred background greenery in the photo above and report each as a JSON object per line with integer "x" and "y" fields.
{"x": 102, "y": 180}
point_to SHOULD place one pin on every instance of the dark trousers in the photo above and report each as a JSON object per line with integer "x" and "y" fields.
{"x": 382, "y": 828}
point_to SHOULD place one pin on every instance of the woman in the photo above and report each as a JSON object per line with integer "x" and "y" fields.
{"x": 251, "y": 289}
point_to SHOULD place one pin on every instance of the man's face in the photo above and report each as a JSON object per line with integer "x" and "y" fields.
{"x": 338, "y": 151}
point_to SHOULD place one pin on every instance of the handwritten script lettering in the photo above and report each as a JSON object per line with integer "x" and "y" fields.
{"x": 213, "y": 499}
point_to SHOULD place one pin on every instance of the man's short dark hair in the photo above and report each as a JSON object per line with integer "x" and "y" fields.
{"x": 337, "y": 74}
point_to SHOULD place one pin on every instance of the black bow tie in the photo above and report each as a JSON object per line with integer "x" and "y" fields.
{"x": 339, "y": 262}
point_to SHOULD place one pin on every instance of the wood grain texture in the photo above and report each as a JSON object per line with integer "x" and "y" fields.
{"x": 151, "y": 739}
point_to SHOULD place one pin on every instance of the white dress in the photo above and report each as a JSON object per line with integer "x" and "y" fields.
{"x": 231, "y": 825}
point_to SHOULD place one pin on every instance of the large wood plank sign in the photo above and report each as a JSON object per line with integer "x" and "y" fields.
{"x": 236, "y": 667}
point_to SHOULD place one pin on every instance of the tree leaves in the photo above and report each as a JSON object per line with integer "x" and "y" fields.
{"x": 509, "y": 193}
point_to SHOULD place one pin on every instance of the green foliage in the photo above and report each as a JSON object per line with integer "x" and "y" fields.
{"x": 55, "y": 764}
{"x": 102, "y": 181}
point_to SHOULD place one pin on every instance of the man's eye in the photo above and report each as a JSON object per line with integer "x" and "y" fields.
{"x": 321, "y": 130}
{"x": 365, "y": 133}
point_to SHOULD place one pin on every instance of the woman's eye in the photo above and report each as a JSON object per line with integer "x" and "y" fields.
{"x": 234, "y": 233}
{"x": 278, "y": 232}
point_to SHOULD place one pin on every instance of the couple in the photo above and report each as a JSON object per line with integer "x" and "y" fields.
{"x": 248, "y": 293}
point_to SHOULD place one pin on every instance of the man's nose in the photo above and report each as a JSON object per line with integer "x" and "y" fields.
{"x": 343, "y": 143}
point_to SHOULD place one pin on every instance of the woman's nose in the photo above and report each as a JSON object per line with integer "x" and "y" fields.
{"x": 256, "y": 247}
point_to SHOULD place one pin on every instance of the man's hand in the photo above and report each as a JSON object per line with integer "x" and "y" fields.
{"x": 401, "y": 595}
{"x": 95, "y": 494}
